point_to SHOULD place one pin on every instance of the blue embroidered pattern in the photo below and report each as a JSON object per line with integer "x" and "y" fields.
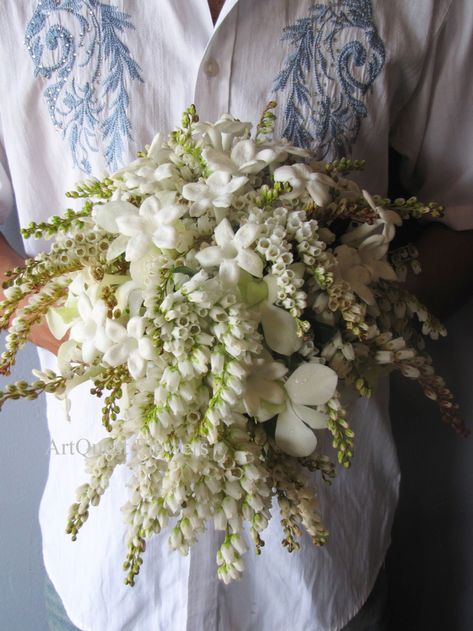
{"x": 76, "y": 46}
{"x": 324, "y": 81}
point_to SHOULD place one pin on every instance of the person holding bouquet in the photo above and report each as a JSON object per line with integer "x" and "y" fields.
{"x": 86, "y": 86}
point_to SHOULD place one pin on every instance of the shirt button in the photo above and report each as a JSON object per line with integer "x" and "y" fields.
{"x": 211, "y": 68}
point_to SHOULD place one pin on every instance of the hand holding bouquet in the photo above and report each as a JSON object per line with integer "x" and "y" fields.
{"x": 222, "y": 294}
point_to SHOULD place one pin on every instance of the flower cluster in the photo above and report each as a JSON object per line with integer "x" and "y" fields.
{"x": 222, "y": 289}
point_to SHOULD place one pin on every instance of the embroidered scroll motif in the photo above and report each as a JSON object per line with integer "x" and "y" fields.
{"x": 337, "y": 56}
{"x": 76, "y": 46}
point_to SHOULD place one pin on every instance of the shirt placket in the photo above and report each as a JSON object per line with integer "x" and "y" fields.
{"x": 212, "y": 89}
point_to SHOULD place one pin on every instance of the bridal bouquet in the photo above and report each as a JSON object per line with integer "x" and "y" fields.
{"x": 222, "y": 294}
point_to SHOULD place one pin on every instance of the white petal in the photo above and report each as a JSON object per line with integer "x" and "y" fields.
{"x": 280, "y": 330}
{"x": 292, "y": 436}
{"x": 136, "y": 327}
{"x": 106, "y": 216}
{"x": 209, "y": 257}
{"x": 272, "y": 284}
{"x": 123, "y": 293}
{"x": 218, "y": 161}
{"x": 146, "y": 348}
{"x": 382, "y": 269}
{"x": 117, "y": 247}
{"x": 284, "y": 174}
{"x": 250, "y": 262}
{"x": 135, "y": 301}
{"x": 165, "y": 237}
{"x": 130, "y": 225}
{"x": 84, "y": 306}
{"x": 244, "y": 151}
{"x": 116, "y": 332}
{"x": 274, "y": 370}
{"x": 193, "y": 192}
{"x": 246, "y": 235}
{"x": 313, "y": 418}
{"x": 224, "y": 233}
{"x": 369, "y": 199}
{"x": 67, "y": 351}
{"x": 150, "y": 208}
{"x": 101, "y": 341}
{"x": 136, "y": 365}
{"x": 155, "y": 147}
{"x": 99, "y": 312}
{"x": 137, "y": 247}
{"x": 312, "y": 384}
{"x": 236, "y": 183}
{"x": 363, "y": 292}
{"x": 89, "y": 351}
{"x": 266, "y": 155}
{"x": 116, "y": 355}
{"x": 271, "y": 391}
{"x": 172, "y": 212}
{"x": 164, "y": 171}
{"x": 59, "y": 320}
{"x": 319, "y": 193}
{"x": 229, "y": 272}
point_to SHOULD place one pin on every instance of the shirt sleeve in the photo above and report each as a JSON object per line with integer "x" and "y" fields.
{"x": 6, "y": 191}
{"x": 434, "y": 131}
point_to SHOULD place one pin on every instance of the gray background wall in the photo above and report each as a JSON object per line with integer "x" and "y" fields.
{"x": 430, "y": 563}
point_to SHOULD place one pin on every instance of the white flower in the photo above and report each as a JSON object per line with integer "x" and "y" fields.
{"x": 301, "y": 178}
{"x": 246, "y": 157}
{"x": 153, "y": 223}
{"x": 359, "y": 268}
{"x": 263, "y": 386}
{"x": 217, "y": 190}
{"x": 128, "y": 345}
{"x": 309, "y": 385}
{"x": 232, "y": 252}
{"x": 380, "y": 232}
{"x": 221, "y": 134}
{"x": 88, "y": 330}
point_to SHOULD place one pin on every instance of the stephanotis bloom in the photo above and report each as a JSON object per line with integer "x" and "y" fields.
{"x": 309, "y": 385}
{"x": 222, "y": 133}
{"x": 246, "y": 157}
{"x": 301, "y": 178}
{"x": 153, "y": 223}
{"x": 216, "y": 191}
{"x": 232, "y": 252}
{"x": 380, "y": 232}
{"x": 263, "y": 388}
{"x": 128, "y": 345}
{"x": 362, "y": 267}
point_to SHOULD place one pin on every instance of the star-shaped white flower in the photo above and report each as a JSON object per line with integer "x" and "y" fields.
{"x": 262, "y": 386}
{"x": 217, "y": 191}
{"x": 221, "y": 134}
{"x": 362, "y": 267}
{"x": 380, "y": 232}
{"x": 232, "y": 252}
{"x": 301, "y": 178}
{"x": 128, "y": 346}
{"x": 246, "y": 157}
{"x": 309, "y": 385}
{"x": 88, "y": 329}
{"x": 153, "y": 223}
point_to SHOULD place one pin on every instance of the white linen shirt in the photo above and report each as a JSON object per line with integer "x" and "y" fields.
{"x": 84, "y": 85}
